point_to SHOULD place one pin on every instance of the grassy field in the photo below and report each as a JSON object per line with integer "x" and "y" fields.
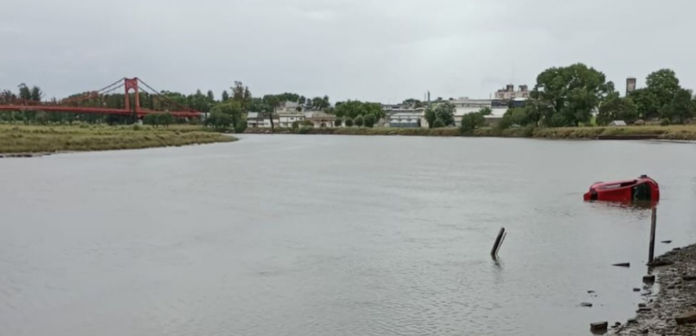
{"x": 686, "y": 132}
{"x": 48, "y": 139}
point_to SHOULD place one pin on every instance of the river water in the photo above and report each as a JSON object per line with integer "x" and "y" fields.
{"x": 330, "y": 235}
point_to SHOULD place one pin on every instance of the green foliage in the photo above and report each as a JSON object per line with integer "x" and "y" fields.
{"x": 241, "y": 95}
{"x": 359, "y": 121}
{"x": 369, "y": 120}
{"x": 558, "y": 120}
{"x": 151, "y": 119}
{"x": 240, "y": 126}
{"x": 485, "y": 111}
{"x": 517, "y": 116}
{"x": 438, "y": 124}
{"x": 353, "y": 108}
{"x": 681, "y": 108}
{"x": 338, "y": 122}
{"x": 472, "y": 121}
{"x": 225, "y": 96}
{"x": 349, "y": 122}
{"x": 442, "y": 111}
{"x": 571, "y": 92}
{"x": 307, "y": 123}
{"x": 219, "y": 120}
{"x": 664, "y": 122}
{"x": 295, "y": 125}
{"x": 321, "y": 103}
{"x": 617, "y": 108}
{"x": 413, "y": 103}
{"x": 304, "y": 130}
{"x": 165, "y": 119}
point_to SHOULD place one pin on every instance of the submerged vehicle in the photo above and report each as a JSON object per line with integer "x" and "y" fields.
{"x": 643, "y": 188}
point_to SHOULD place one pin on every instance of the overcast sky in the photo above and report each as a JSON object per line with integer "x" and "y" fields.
{"x": 377, "y": 50}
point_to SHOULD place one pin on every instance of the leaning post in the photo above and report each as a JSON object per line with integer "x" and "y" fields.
{"x": 653, "y": 227}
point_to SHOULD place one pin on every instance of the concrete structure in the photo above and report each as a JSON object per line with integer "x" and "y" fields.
{"x": 286, "y": 119}
{"x": 630, "y": 85}
{"x": 404, "y": 117}
{"x": 509, "y": 92}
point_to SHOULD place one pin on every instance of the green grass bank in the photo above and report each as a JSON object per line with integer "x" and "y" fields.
{"x": 49, "y": 139}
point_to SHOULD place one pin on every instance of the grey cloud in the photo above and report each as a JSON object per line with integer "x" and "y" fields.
{"x": 384, "y": 50}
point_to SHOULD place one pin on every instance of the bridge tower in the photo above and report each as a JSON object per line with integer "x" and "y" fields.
{"x": 132, "y": 84}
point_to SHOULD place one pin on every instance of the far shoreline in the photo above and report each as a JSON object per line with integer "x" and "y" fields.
{"x": 686, "y": 133}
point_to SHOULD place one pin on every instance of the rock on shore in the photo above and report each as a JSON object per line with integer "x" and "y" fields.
{"x": 674, "y": 302}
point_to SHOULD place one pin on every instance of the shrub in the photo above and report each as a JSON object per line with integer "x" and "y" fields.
{"x": 369, "y": 120}
{"x": 295, "y": 125}
{"x": 664, "y": 122}
{"x": 304, "y": 130}
{"x": 438, "y": 123}
{"x": 349, "y": 122}
{"x": 359, "y": 121}
{"x": 240, "y": 127}
{"x": 338, "y": 122}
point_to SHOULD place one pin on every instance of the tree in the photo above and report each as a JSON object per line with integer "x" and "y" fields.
{"x": 485, "y": 111}
{"x": 681, "y": 108}
{"x": 225, "y": 96}
{"x": 321, "y": 103}
{"x": 472, "y": 121}
{"x": 430, "y": 117}
{"x": 653, "y": 100}
{"x": 338, "y": 122}
{"x": 211, "y": 96}
{"x": 359, "y": 121}
{"x": 219, "y": 120}
{"x": 302, "y": 100}
{"x": 349, "y": 122}
{"x": 151, "y": 119}
{"x": 369, "y": 120}
{"x": 36, "y": 93}
{"x": 295, "y": 125}
{"x": 272, "y": 102}
{"x": 413, "y": 103}
{"x": 617, "y": 108}
{"x": 241, "y": 94}
{"x": 24, "y": 92}
{"x": 438, "y": 124}
{"x": 165, "y": 119}
{"x": 232, "y": 109}
{"x": 572, "y": 92}
{"x": 442, "y": 111}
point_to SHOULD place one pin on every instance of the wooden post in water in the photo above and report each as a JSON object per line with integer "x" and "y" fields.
{"x": 498, "y": 242}
{"x": 653, "y": 227}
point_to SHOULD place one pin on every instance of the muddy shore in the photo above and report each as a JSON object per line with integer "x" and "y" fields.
{"x": 674, "y": 295}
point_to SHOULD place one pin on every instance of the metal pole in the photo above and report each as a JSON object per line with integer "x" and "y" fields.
{"x": 498, "y": 241}
{"x": 653, "y": 227}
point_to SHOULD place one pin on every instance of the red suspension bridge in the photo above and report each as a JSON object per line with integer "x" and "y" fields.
{"x": 135, "y": 85}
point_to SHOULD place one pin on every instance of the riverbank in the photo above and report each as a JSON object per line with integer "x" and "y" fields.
{"x": 20, "y": 140}
{"x": 682, "y": 132}
{"x": 676, "y": 296}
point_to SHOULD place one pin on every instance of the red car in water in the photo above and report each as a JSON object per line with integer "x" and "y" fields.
{"x": 641, "y": 189}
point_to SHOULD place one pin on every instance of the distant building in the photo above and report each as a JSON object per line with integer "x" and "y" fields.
{"x": 509, "y": 93}
{"x": 630, "y": 85}
{"x": 464, "y": 106}
{"x": 259, "y": 120}
{"x": 617, "y": 123}
{"x": 286, "y": 119}
{"x": 404, "y": 117}
{"x": 289, "y": 107}
{"x": 321, "y": 119}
